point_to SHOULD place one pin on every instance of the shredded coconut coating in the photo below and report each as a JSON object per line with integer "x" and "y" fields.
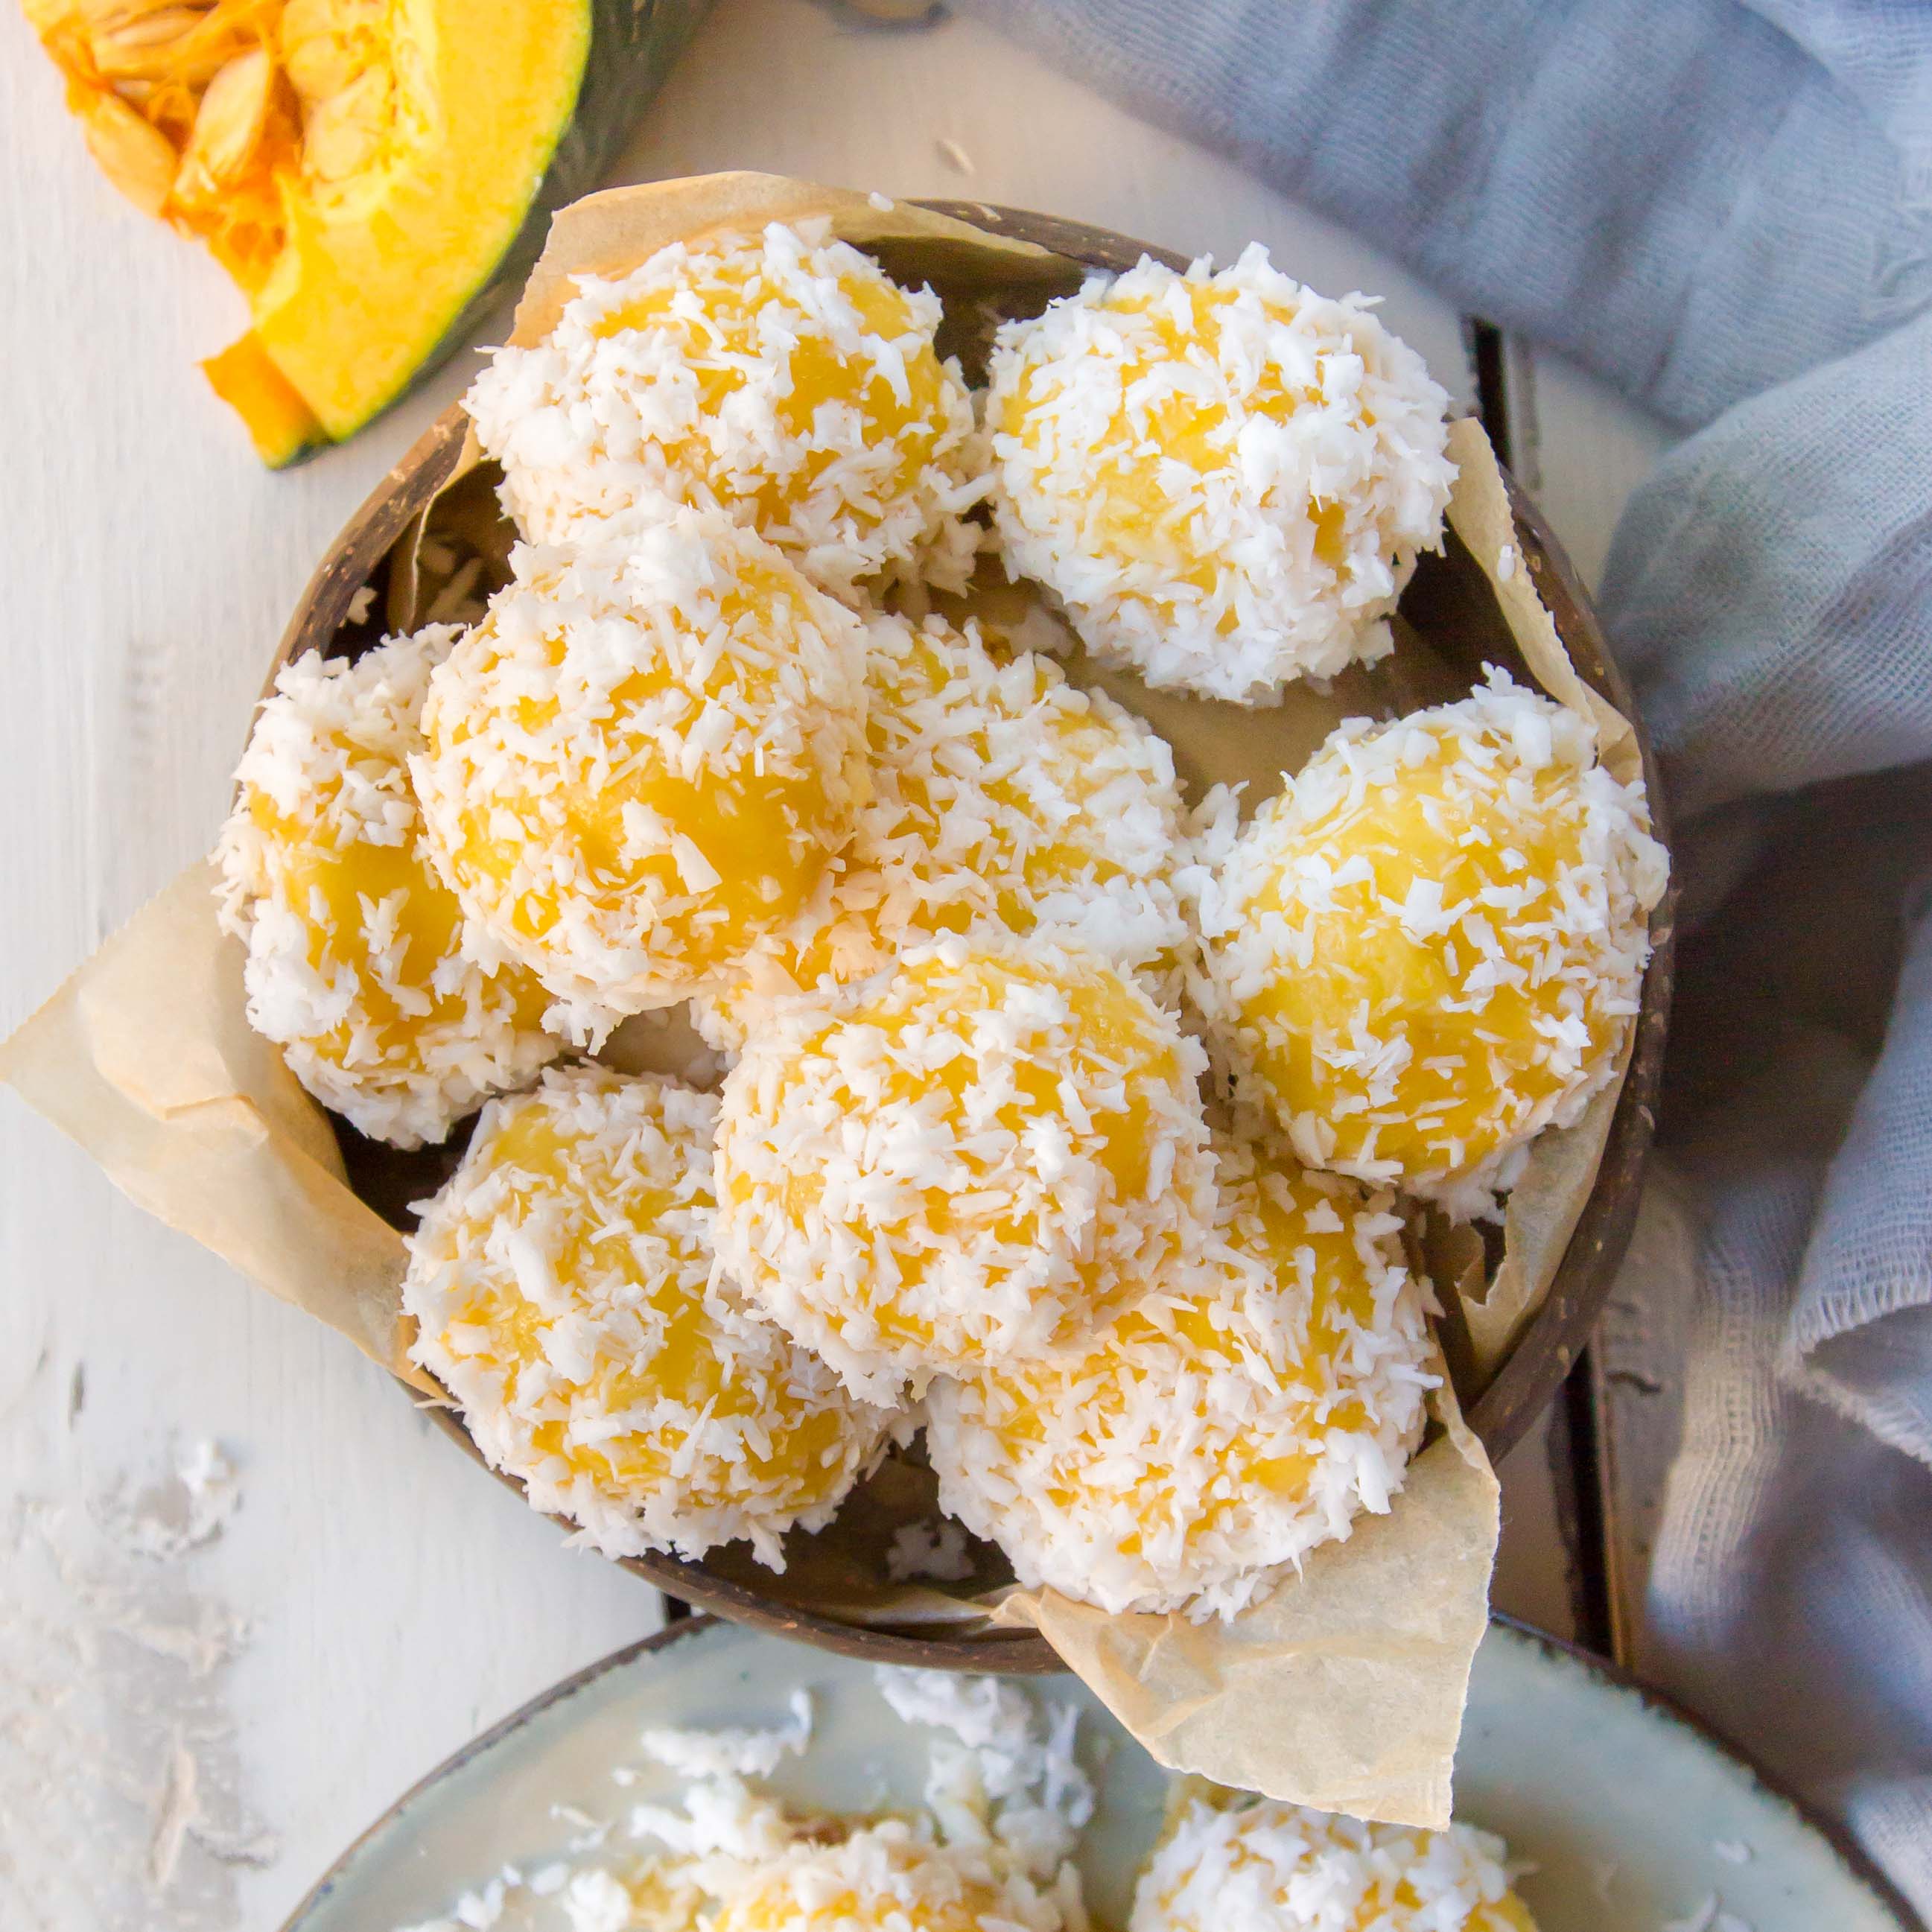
{"x": 642, "y": 762}
{"x": 1241, "y": 1413}
{"x": 1004, "y": 799}
{"x": 1233, "y": 1864}
{"x": 783, "y": 378}
{"x": 1429, "y": 948}
{"x": 354, "y": 965}
{"x": 1225, "y": 478}
{"x": 891, "y": 1877}
{"x": 975, "y": 1157}
{"x": 564, "y": 1286}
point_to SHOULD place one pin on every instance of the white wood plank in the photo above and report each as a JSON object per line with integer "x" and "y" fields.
{"x": 399, "y": 1599}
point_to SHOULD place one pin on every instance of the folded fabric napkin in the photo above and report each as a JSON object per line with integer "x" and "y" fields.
{"x": 1726, "y": 209}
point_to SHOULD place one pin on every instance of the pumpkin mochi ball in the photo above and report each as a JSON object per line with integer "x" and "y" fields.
{"x": 1429, "y": 948}
{"x": 1267, "y": 1388}
{"x": 1228, "y": 1861}
{"x": 890, "y": 1877}
{"x": 563, "y": 1289}
{"x": 1005, "y": 799}
{"x": 782, "y": 377}
{"x": 640, "y": 763}
{"x": 975, "y": 1156}
{"x": 355, "y": 968}
{"x": 1224, "y": 478}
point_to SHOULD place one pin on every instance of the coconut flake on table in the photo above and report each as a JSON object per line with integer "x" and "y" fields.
{"x": 619, "y": 710}
{"x": 566, "y": 1259}
{"x": 1004, "y": 799}
{"x": 193, "y": 1508}
{"x": 1255, "y": 1865}
{"x": 1134, "y": 1473}
{"x": 379, "y": 1011}
{"x": 782, "y": 377}
{"x": 1429, "y": 948}
{"x": 1225, "y": 478}
{"x": 897, "y": 1225}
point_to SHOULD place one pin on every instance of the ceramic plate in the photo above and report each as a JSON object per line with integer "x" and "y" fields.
{"x": 1635, "y": 1821}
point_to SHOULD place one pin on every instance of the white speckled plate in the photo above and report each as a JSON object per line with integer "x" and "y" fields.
{"x": 1636, "y": 1821}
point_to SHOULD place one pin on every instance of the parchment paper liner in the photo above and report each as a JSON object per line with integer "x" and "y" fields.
{"x": 1344, "y": 1689}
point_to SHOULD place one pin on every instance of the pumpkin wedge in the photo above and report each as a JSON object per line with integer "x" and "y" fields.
{"x": 374, "y": 174}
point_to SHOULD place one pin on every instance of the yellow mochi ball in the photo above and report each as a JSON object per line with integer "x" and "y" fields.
{"x": 975, "y": 1157}
{"x": 1227, "y": 1859}
{"x": 355, "y": 964}
{"x": 1004, "y": 799}
{"x": 1241, "y": 1412}
{"x": 886, "y": 1878}
{"x": 1225, "y": 477}
{"x": 562, "y": 1284}
{"x": 640, "y": 763}
{"x": 1428, "y": 949}
{"x": 786, "y": 380}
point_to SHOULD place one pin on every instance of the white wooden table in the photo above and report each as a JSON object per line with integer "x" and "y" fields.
{"x": 186, "y": 1743}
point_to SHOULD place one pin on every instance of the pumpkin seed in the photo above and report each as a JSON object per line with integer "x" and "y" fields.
{"x": 228, "y": 125}
{"x": 138, "y": 159}
{"x": 111, "y": 14}
{"x": 183, "y": 46}
{"x": 325, "y": 44}
{"x": 145, "y": 46}
{"x": 341, "y": 135}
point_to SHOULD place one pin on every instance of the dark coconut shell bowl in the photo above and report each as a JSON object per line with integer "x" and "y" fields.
{"x": 836, "y": 1590}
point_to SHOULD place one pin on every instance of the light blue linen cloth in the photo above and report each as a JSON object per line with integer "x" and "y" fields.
{"x": 1726, "y": 209}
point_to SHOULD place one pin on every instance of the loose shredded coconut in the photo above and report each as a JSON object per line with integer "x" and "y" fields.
{"x": 1429, "y": 948}
{"x": 643, "y": 761}
{"x": 974, "y": 1158}
{"x": 998, "y": 1775}
{"x": 1004, "y": 799}
{"x": 1243, "y": 1411}
{"x": 355, "y": 966}
{"x": 932, "y": 1549}
{"x": 1225, "y": 478}
{"x": 122, "y": 1787}
{"x": 1231, "y": 1864}
{"x": 784, "y": 378}
{"x": 193, "y": 1507}
{"x": 564, "y": 1287}
{"x": 695, "y": 1753}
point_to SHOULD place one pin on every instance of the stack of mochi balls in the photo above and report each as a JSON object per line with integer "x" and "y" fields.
{"x": 1071, "y": 1124}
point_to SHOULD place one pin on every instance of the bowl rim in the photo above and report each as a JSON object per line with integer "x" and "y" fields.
{"x": 1548, "y": 1344}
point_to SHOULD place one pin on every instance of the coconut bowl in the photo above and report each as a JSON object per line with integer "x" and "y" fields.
{"x": 828, "y": 1599}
